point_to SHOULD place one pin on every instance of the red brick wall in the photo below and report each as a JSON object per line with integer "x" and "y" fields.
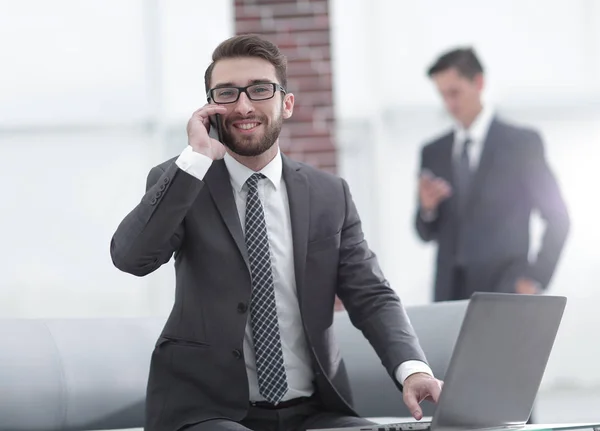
{"x": 301, "y": 30}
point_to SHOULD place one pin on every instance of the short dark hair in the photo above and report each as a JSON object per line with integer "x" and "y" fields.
{"x": 463, "y": 59}
{"x": 249, "y": 45}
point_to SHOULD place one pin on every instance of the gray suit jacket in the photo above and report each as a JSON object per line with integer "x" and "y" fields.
{"x": 197, "y": 368}
{"x": 512, "y": 179}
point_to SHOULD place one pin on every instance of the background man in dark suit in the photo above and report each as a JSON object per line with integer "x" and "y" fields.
{"x": 262, "y": 246}
{"x": 479, "y": 184}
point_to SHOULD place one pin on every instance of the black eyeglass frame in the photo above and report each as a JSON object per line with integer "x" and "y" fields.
{"x": 276, "y": 88}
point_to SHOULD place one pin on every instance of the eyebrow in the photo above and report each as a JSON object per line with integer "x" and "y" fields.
{"x": 251, "y": 82}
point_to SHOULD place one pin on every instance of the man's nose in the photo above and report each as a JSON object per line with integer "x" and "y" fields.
{"x": 244, "y": 105}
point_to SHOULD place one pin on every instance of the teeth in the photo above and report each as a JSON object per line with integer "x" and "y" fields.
{"x": 247, "y": 126}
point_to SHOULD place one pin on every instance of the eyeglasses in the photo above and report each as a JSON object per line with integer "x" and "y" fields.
{"x": 224, "y": 95}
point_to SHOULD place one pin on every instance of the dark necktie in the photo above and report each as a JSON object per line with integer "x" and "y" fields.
{"x": 463, "y": 175}
{"x": 463, "y": 179}
{"x": 272, "y": 381}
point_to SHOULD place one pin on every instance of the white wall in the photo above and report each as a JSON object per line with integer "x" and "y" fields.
{"x": 543, "y": 70}
{"x": 89, "y": 92}
{"x": 93, "y": 94}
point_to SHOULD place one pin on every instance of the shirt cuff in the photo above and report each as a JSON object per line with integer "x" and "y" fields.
{"x": 193, "y": 163}
{"x": 428, "y": 216}
{"x": 408, "y": 368}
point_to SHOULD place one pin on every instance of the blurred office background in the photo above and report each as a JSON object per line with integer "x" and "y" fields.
{"x": 95, "y": 93}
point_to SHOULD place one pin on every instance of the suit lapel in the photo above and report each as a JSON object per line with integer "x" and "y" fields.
{"x": 445, "y": 166}
{"x": 219, "y": 185}
{"x": 297, "y": 188}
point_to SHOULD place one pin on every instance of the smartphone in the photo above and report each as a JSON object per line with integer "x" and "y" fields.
{"x": 427, "y": 173}
{"x": 215, "y": 131}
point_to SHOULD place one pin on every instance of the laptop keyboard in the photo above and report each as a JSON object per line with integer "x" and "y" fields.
{"x": 404, "y": 426}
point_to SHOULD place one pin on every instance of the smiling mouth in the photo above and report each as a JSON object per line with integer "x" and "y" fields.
{"x": 246, "y": 126}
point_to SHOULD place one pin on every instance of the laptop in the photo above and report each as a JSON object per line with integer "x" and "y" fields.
{"x": 496, "y": 366}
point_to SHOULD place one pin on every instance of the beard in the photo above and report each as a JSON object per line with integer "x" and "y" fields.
{"x": 251, "y": 146}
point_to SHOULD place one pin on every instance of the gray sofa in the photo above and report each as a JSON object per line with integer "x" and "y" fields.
{"x": 90, "y": 374}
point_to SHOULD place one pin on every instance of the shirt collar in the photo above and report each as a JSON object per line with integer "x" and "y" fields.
{"x": 239, "y": 173}
{"x": 478, "y": 130}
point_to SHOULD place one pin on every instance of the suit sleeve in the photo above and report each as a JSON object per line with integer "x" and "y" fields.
{"x": 546, "y": 197}
{"x": 150, "y": 234}
{"x": 425, "y": 224}
{"x": 373, "y": 307}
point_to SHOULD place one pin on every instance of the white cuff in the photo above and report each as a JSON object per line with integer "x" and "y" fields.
{"x": 411, "y": 367}
{"x": 193, "y": 163}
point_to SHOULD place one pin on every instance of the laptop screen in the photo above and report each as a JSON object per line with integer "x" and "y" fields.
{"x": 498, "y": 360}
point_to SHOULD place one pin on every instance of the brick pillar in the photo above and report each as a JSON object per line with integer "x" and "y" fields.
{"x": 301, "y": 30}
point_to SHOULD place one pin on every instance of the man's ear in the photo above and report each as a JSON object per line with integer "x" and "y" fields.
{"x": 479, "y": 81}
{"x": 288, "y": 105}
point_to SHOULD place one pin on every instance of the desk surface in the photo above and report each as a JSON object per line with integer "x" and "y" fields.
{"x": 563, "y": 427}
{"x": 592, "y": 426}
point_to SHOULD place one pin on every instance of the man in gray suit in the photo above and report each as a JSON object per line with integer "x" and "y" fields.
{"x": 262, "y": 246}
{"x": 478, "y": 187}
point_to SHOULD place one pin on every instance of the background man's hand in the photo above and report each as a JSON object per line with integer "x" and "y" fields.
{"x": 419, "y": 387}
{"x": 197, "y": 131}
{"x": 525, "y": 286}
{"x": 432, "y": 191}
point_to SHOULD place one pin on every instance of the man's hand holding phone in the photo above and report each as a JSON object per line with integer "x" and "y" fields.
{"x": 197, "y": 130}
{"x": 432, "y": 191}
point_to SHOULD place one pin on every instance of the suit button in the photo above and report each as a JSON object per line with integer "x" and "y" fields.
{"x": 242, "y": 308}
{"x": 166, "y": 180}
{"x": 237, "y": 354}
{"x": 157, "y": 195}
{"x": 162, "y": 187}
{"x": 153, "y": 201}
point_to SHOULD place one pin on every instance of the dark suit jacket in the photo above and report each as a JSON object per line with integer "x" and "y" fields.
{"x": 197, "y": 368}
{"x": 512, "y": 179}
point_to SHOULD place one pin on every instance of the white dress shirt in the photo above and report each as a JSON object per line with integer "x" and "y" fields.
{"x": 477, "y": 133}
{"x": 274, "y": 198}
